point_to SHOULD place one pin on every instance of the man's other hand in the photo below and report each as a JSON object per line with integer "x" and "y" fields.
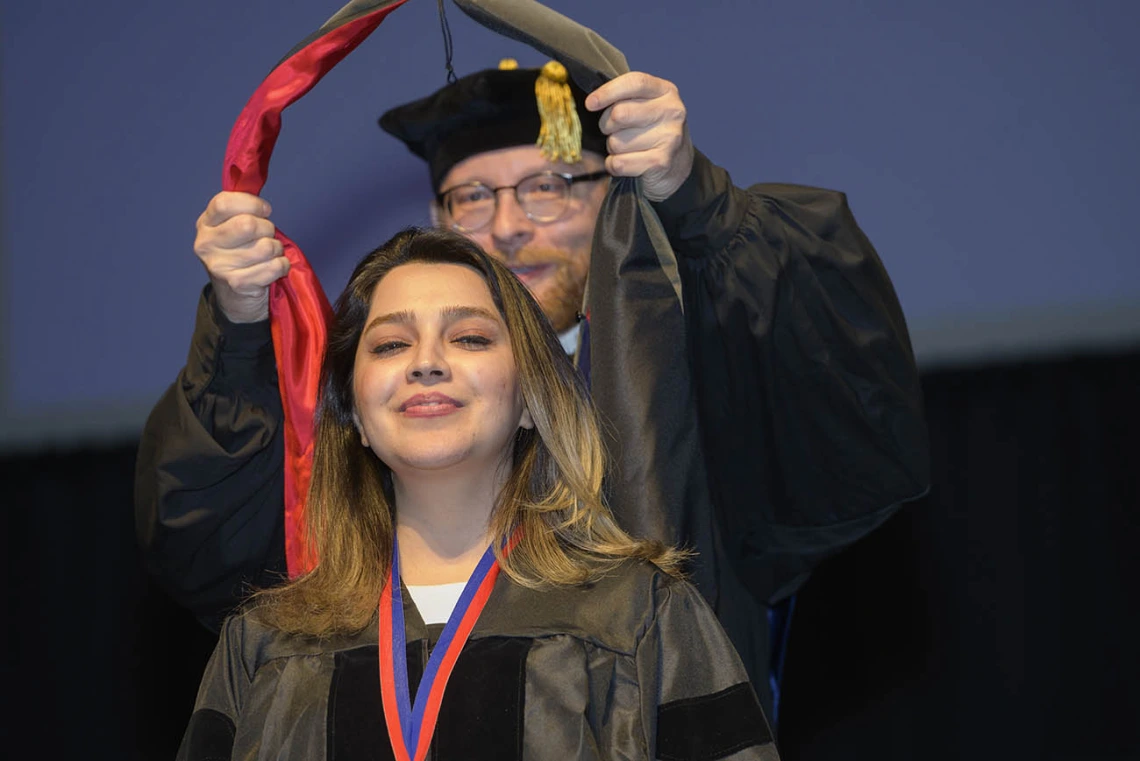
{"x": 648, "y": 137}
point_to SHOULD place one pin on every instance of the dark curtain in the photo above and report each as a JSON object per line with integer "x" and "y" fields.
{"x": 993, "y": 619}
{"x": 101, "y": 664}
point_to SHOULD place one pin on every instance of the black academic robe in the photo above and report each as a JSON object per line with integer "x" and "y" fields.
{"x": 808, "y": 397}
{"x": 634, "y": 666}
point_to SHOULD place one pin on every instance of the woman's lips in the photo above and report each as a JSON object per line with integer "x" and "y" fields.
{"x": 429, "y": 405}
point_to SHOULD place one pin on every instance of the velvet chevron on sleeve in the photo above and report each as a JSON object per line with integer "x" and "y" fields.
{"x": 705, "y": 708}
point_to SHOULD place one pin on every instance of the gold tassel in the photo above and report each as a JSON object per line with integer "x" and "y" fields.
{"x": 560, "y": 137}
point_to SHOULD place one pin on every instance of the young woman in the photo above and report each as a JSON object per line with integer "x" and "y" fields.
{"x": 473, "y": 596}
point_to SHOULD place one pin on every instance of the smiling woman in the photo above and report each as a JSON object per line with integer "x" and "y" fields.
{"x": 454, "y": 440}
{"x": 435, "y": 381}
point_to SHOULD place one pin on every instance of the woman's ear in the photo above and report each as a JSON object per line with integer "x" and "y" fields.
{"x": 525, "y": 420}
{"x": 360, "y": 429}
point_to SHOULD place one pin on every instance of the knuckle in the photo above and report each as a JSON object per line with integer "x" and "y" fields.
{"x": 221, "y": 205}
{"x": 604, "y": 123}
{"x": 202, "y": 247}
{"x": 245, "y": 226}
{"x": 266, "y": 249}
{"x": 613, "y": 123}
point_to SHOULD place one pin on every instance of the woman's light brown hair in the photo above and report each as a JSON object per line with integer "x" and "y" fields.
{"x": 553, "y": 493}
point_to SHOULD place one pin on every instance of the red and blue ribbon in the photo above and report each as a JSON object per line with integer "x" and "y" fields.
{"x": 411, "y": 725}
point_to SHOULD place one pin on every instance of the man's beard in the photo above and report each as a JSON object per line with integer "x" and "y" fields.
{"x": 563, "y": 299}
{"x": 562, "y": 291}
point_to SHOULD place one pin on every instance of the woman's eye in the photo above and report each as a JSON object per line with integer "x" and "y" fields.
{"x": 387, "y": 347}
{"x": 473, "y": 340}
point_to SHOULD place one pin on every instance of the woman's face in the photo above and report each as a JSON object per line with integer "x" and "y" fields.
{"x": 435, "y": 383}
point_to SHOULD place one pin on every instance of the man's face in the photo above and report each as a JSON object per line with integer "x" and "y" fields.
{"x": 551, "y": 258}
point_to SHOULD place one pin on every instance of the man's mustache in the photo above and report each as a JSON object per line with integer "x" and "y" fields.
{"x": 531, "y": 257}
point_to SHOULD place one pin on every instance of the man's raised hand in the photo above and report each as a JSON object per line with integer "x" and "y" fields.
{"x": 235, "y": 243}
{"x": 648, "y": 137}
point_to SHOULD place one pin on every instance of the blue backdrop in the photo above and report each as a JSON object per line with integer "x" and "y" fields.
{"x": 988, "y": 149}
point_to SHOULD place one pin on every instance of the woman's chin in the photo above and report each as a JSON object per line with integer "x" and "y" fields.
{"x": 432, "y": 460}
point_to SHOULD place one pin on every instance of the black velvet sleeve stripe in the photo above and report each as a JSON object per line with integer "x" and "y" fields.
{"x": 209, "y": 737}
{"x": 711, "y": 726}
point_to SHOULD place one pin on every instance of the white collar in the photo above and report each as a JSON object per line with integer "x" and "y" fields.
{"x": 569, "y": 339}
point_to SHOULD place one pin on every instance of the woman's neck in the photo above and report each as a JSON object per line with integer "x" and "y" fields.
{"x": 442, "y": 526}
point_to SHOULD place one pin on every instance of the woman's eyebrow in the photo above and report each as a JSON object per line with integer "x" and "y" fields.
{"x": 404, "y": 317}
{"x": 449, "y": 314}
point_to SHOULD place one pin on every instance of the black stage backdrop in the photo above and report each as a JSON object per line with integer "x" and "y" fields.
{"x": 995, "y": 619}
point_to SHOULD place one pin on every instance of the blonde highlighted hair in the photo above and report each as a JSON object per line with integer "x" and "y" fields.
{"x": 553, "y": 495}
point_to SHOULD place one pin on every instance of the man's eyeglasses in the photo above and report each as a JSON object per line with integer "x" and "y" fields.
{"x": 543, "y": 197}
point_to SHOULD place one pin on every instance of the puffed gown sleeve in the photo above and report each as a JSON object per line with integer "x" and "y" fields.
{"x": 208, "y": 478}
{"x": 696, "y": 699}
{"x": 809, "y": 398}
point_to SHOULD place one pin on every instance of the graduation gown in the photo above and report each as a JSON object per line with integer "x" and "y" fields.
{"x": 808, "y": 397}
{"x": 634, "y": 666}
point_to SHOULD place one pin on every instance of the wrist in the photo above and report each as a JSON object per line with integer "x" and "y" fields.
{"x": 240, "y": 336}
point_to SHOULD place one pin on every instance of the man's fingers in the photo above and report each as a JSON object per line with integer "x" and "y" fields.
{"x": 221, "y": 260}
{"x": 242, "y": 230}
{"x": 633, "y": 164}
{"x": 630, "y": 115}
{"x": 633, "y": 85}
{"x": 229, "y": 204}
{"x": 636, "y": 140}
{"x": 252, "y": 280}
{"x": 234, "y": 233}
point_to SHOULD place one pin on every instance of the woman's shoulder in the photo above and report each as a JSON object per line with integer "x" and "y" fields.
{"x": 639, "y": 577}
{"x": 613, "y": 611}
{"x": 248, "y": 636}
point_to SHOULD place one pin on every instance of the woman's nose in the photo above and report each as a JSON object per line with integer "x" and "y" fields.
{"x": 428, "y": 364}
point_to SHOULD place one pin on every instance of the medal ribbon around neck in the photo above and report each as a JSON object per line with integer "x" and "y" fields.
{"x": 410, "y": 728}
